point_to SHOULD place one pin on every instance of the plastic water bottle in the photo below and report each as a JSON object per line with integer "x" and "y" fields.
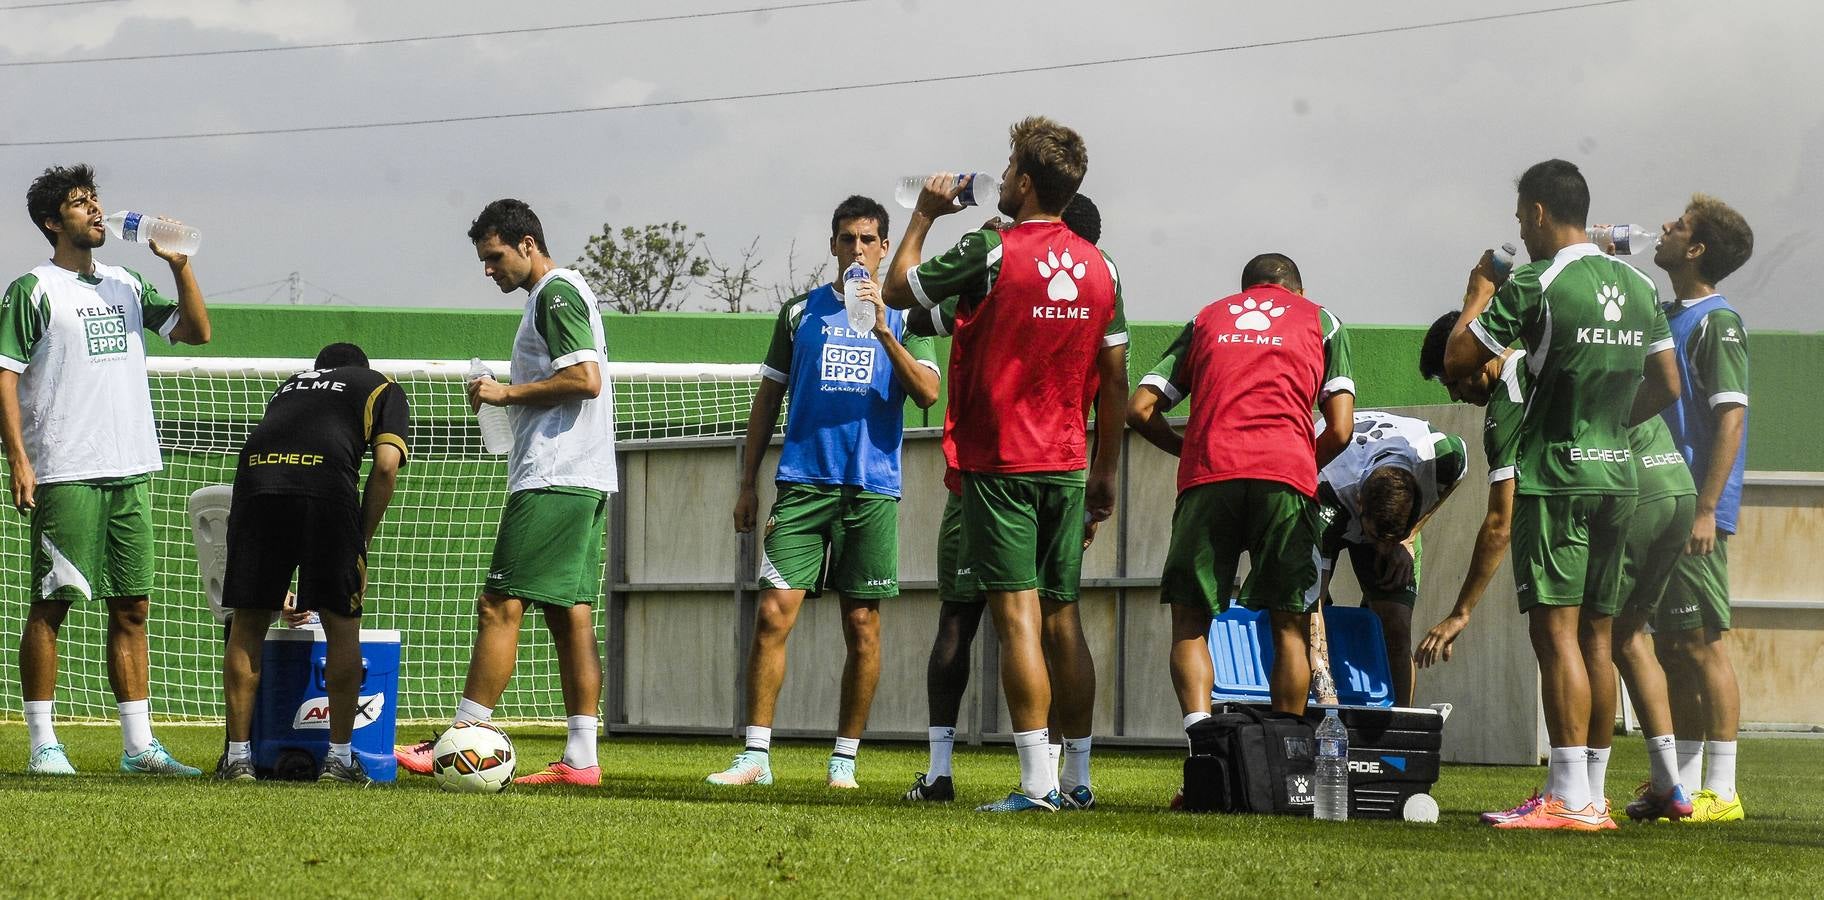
{"x": 1332, "y": 769}
{"x": 861, "y": 312}
{"x": 982, "y": 189}
{"x": 496, "y": 430}
{"x": 1504, "y": 259}
{"x": 1628, "y": 239}
{"x": 141, "y": 228}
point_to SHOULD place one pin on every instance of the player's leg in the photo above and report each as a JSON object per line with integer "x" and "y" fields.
{"x": 1704, "y": 695}
{"x": 1000, "y": 547}
{"x": 864, "y": 569}
{"x": 262, "y": 555}
{"x": 1283, "y": 530}
{"x": 1196, "y": 581}
{"x": 1073, "y": 696}
{"x": 1392, "y": 604}
{"x": 126, "y": 580}
{"x": 566, "y": 584}
{"x": 332, "y": 580}
{"x": 947, "y": 671}
{"x": 1655, "y": 540}
{"x": 1602, "y": 600}
{"x": 342, "y": 681}
{"x": 67, "y": 547}
{"x": 860, "y": 676}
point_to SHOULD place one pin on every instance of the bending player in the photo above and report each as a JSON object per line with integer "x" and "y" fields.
{"x": 1039, "y": 332}
{"x": 1710, "y": 427}
{"x": 548, "y": 551}
{"x": 1374, "y": 498}
{"x": 960, "y": 615}
{"x": 76, "y": 422}
{"x": 1587, "y": 347}
{"x": 1254, "y": 365}
{"x": 836, "y": 518}
{"x": 296, "y": 511}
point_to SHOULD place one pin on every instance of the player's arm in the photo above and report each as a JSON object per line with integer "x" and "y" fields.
{"x": 1722, "y": 356}
{"x": 382, "y": 476}
{"x": 23, "y": 317}
{"x": 192, "y": 325}
{"x": 1336, "y": 396}
{"x": 1111, "y": 420}
{"x": 1731, "y": 419}
{"x": 938, "y": 198}
{"x": 1468, "y": 348}
{"x": 1662, "y": 384}
{"x": 25, "y": 481}
{"x": 1160, "y": 390}
{"x": 1484, "y": 561}
{"x": 918, "y": 377}
{"x": 562, "y": 320}
{"x": 577, "y": 381}
{"x": 763, "y": 413}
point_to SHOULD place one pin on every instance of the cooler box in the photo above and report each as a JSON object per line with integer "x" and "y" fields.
{"x": 291, "y": 712}
{"x": 1241, "y": 650}
{"x": 1393, "y": 752}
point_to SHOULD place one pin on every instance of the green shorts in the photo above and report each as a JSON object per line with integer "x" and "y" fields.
{"x": 1698, "y": 594}
{"x": 1567, "y": 550}
{"x": 549, "y": 547}
{"x": 1656, "y": 541}
{"x": 1023, "y": 532}
{"x": 92, "y": 540}
{"x": 950, "y": 555}
{"x": 843, "y": 538}
{"x": 1213, "y": 524}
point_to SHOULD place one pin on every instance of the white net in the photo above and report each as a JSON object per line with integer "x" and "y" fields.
{"x": 427, "y": 562}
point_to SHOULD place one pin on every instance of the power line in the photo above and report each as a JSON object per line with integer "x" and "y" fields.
{"x": 59, "y": 3}
{"x": 827, "y": 89}
{"x": 423, "y": 38}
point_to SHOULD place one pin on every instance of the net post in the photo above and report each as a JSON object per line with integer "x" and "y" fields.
{"x": 614, "y": 642}
{"x": 746, "y": 603}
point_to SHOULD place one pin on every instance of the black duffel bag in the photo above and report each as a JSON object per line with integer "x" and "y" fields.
{"x": 1250, "y": 760}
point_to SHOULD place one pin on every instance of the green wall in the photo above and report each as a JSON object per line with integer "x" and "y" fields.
{"x": 1385, "y": 369}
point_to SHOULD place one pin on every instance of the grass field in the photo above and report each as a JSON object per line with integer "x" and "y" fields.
{"x": 655, "y": 828}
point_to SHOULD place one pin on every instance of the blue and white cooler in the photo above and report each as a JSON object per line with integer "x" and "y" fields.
{"x": 291, "y": 713}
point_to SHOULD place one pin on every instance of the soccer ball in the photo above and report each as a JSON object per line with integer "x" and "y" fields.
{"x": 473, "y": 758}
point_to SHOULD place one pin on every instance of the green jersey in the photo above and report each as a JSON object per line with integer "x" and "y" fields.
{"x": 1659, "y": 469}
{"x": 1588, "y": 321}
{"x": 1501, "y": 418}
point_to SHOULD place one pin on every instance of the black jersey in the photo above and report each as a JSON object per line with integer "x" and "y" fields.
{"x": 317, "y": 427}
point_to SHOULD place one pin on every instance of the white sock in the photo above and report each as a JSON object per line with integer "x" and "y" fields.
{"x": 1568, "y": 777}
{"x": 1662, "y": 761}
{"x": 38, "y": 723}
{"x": 1037, "y": 776}
{"x": 847, "y": 747}
{"x": 342, "y": 753}
{"x": 1597, "y": 766}
{"x": 1076, "y": 764}
{"x": 1054, "y": 755}
{"x": 1192, "y": 719}
{"x": 1691, "y": 764}
{"x": 943, "y": 745}
{"x": 469, "y": 711}
{"x": 1720, "y": 775}
{"x": 239, "y": 750}
{"x": 579, "y": 748}
{"x": 759, "y": 738}
{"x": 136, "y": 726}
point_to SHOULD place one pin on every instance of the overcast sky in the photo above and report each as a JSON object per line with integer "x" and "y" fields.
{"x": 1383, "y": 164}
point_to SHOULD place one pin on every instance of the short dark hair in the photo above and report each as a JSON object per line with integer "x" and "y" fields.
{"x": 1083, "y": 218}
{"x": 1390, "y": 498}
{"x": 1727, "y": 239}
{"x": 1431, "y": 353}
{"x": 44, "y": 199}
{"x": 1559, "y": 187}
{"x": 335, "y": 356}
{"x": 1053, "y": 156}
{"x": 510, "y": 220}
{"x": 1272, "y": 268}
{"x": 859, "y": 207}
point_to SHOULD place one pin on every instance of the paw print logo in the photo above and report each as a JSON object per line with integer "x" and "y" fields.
{"x": 1062, "y": 273}
{"x": 1252, "y": 316}
{"x": 1612, "y": 300}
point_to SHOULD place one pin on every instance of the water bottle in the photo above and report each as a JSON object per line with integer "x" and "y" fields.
{"x": 496, "y": 430}
{"x": 1628, "y": 239}
{"x": 1504, "y": 259}
{"x": 983, "y": 189}
{"x": 1332, "y": 769}
{"x": 141, "y": 228}
{"x": 861, "y": 312}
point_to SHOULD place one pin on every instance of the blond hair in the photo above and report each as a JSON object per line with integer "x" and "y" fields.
{"x": 1053, "y": 156}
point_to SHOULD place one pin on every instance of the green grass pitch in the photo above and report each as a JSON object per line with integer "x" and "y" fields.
{"x": 655, "y": 828}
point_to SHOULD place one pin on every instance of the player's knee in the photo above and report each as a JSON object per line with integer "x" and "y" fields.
{"x": 772, "y": 622}
{"x": 127, "y": 616}
{"x": 47, "y": 616}
{"x": 492, "y": 611}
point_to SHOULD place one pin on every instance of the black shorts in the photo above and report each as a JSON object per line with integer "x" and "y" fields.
{"x": 273, "y": 536}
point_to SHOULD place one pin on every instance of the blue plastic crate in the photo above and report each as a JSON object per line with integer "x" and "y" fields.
{"x": 1241, "y": 651}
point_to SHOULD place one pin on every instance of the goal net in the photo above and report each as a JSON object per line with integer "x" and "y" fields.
{"x": 427, "y": 562}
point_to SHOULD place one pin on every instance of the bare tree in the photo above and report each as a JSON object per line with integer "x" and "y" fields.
{"x": 796, "y": 282}
{"x": 730, "y": 282}
{"x": 646, "y": 269}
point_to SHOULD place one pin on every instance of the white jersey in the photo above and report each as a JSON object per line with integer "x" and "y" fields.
{"x": 78, "y": 346}
{"x": 1437, "y": 460}
{"x": 570, "y": 444}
